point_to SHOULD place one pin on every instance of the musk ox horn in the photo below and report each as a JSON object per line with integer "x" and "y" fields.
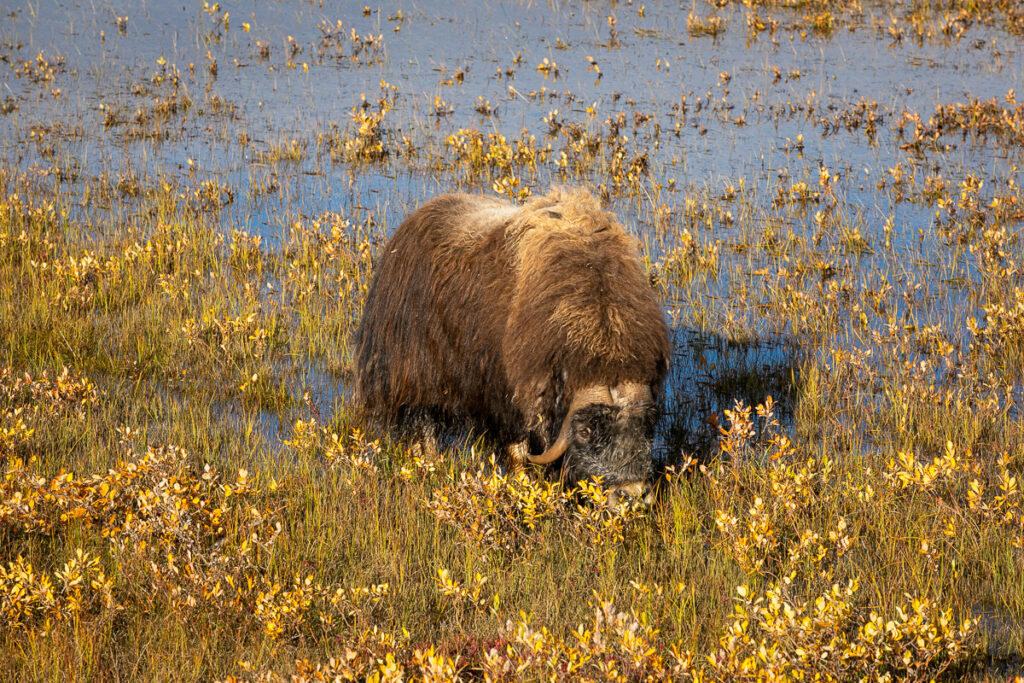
{"x": 555, "y": 451}
{"x": 588, "y": 396}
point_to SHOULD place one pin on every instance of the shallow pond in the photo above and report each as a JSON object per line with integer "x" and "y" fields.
{"x": 698, "y": 125}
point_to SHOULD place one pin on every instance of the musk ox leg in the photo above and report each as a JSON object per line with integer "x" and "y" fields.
{"x": 425, "y": 449}
{"x": 420, "y": 427}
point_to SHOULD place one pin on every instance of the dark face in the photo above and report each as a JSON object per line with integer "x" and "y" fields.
{"x": 614, "y": 443}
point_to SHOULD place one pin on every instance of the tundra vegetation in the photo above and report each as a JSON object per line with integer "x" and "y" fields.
{"x": 192, "y": 202}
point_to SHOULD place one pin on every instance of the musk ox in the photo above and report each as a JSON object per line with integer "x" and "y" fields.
{"x": 536, "y": 322}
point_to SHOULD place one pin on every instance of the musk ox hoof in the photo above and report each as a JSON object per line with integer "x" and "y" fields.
{"x": 637, "y": 491}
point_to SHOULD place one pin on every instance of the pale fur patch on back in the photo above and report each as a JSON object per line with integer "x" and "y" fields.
{"x": 469, "y": 226}
{"x": 560, "y": 213}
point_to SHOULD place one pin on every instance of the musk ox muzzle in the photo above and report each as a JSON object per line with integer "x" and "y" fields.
{"x": 537, "y": 322}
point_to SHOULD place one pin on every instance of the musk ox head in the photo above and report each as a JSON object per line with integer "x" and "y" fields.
{"x": 607, "y": 433}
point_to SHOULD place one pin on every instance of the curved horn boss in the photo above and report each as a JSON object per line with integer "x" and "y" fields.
{"x": 537, "y": 322}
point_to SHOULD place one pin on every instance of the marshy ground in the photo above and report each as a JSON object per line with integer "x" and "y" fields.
{"x": 828, "y": 194}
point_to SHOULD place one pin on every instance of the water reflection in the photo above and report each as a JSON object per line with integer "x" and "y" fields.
{"x": 255, "y": 98}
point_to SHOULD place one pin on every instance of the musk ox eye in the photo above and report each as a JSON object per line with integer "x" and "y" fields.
{"x": 583, "y": 433}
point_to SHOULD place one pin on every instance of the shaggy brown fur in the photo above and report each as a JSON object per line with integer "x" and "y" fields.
{"x": 502, "y": 313}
